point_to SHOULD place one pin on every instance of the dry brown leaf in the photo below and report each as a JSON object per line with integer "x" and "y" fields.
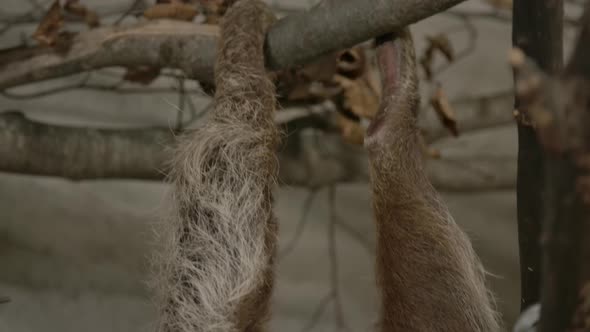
{"x": 64, "y": 41}
{"x": 351, "y": 62}
{"x": 313, "y": 91}
{"x": 49, "y": 28}
{"x": 299, "y": 92}
{"x": 142, "y": 74}
{"x": 374, "y": 78}
{"x": 321, "y": 70}
{"x": 501, "y": 4}
{"x": 445, "y": 112}
{"x": 442, "y": 44}
{"x": 214, "y": 9}
{"x": 310, "y": 82}
{"x": 433, "y": 153}
{"x": 426, "y": 64}
{"x": 323, "y": 91}
{"x": 74, "y": 7}
{"x": 92, "y": 19}
{"x": 428, "y": 151}
{"x": 439, "y": 43}
{"x": 175, "y": 11}
{"x": 359, "y": 96}
{"x": 351, "y": 130}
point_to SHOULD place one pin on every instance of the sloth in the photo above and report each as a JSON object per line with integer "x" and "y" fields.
{"x": 215, "y": 271}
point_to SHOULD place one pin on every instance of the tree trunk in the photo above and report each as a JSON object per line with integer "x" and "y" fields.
{"x": 566, "y": 225}
{"x": 537, "y": 30}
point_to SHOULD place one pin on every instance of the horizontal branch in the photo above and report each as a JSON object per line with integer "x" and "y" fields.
{"x": 30, "y": 147}
{"x": 295, "y": 39}
{"x": 160, "y": 43}
{"x": 335, "y": 24}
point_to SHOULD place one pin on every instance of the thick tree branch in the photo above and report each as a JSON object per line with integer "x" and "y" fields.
{"x": 337, "y": 24}
{"x": 296, "y": 39}
{"x": 163, "y": 43}
{"x": 30, "y": 147}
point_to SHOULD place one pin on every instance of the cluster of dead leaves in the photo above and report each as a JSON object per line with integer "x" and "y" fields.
{"x": 439, "y": 44}
{"x": 346, "y": 77}
{"x": 51, "y": 32}
{"x": 441, "y": 105}
{"x": 343, "y": 77}
{"x": 351, "y": 81}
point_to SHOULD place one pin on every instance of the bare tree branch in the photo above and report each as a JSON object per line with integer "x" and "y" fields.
{"x": 190, "y": 47}
{"x": 296, "y": 39}
{"x": 160, "y": 43}
{"x": 30, "y": 147}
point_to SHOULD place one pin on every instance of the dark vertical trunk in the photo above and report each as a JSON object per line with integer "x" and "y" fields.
{"x": 566, "y": 225}
{"x": 562, "y": 235}
{"x": 537, "y": 30}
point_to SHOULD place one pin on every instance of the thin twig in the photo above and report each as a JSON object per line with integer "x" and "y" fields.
{"x": 193, "y": 114}
{"x": 332, "y": 251}
{"x": 78, "y": 85}
{"x": 317, "y": 314}
{"x": 114, "y": 88}
{"x": 300, "y": 225}
{"x": 181, "y": 104}
{"x": 468, "y": 50}
{"x": 198, "y": 115}
{"x": 356, "y": 235}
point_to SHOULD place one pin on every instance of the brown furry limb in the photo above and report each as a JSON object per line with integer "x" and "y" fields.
{"x": 429, "y": 275}
{"x": 216, "y": 273}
